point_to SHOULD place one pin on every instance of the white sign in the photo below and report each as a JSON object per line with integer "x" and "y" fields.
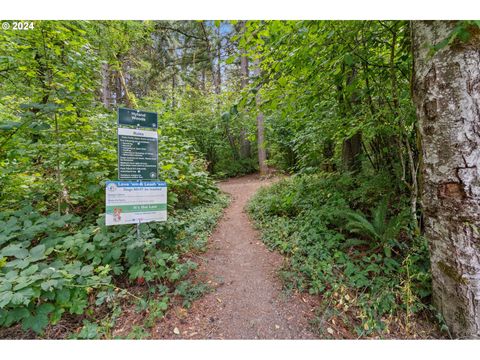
{"x": 134, "y": 202}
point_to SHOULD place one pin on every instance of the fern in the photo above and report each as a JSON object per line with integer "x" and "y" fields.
{"x": 381, "y": 232}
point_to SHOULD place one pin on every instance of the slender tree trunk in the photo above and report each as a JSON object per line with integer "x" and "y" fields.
{"x": 351, "y": 150}
{"x": 219, "y": 61}
{"x": 129, "y": 99}
{"x": 245, "y": 147}
{"x": 106, "y": 95}
{"x": 173, "y": 90}
{"x": 58, "y": 170}
{"x": 352, "y": 146}
{"x": 211, "y": 57}
{"x": 262, "y": 153}
{"x": 203, "y": 82}
{"x": 447, "y": 98}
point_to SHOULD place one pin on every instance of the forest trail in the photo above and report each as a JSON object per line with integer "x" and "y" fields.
{"x": 247, "y": 301}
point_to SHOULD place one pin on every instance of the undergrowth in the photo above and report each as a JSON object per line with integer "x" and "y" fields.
{"x": 50, "y": 268}
{"x": 349, "y": 240}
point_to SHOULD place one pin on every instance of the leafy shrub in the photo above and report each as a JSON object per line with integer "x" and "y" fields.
{"x": 310, "y": 219}
{"x": 381, "y": 231}
{"x": 50, "y": 266}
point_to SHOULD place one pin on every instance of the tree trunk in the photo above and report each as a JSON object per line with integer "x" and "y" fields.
{"x": 129, "y": 99}
{"x": 351, "y": 150}
{"x": 211, "y": 57}
{"x": 447, "y": 98}
{"x": 219, "y": 61}
{"x": 352, "y": 146}
{"x": 245, "y": 147}
{"x": 262, "y": 153}
{"x": 106, "y": 95}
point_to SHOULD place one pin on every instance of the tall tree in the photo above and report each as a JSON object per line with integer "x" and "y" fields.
{"x": 447, "y": 98}
{"x": 245, "y": 147}
{"x": 262, "y": 152}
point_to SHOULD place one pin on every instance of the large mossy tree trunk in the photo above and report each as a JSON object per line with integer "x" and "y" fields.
{"x": 447, "y": 98}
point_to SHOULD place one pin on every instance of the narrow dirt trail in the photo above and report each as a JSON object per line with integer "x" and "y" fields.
{"x": 248, "y": 301}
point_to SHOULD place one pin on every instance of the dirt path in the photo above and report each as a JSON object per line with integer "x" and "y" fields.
{"x": 248, "y": 301}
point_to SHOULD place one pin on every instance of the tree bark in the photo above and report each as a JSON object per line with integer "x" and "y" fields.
{"x": 352, "y": 146}
{"x": 245, "y": 147}
{"x": 219, "y": 61}
{"x": 351, "y": 150}
{"x": 106, "y": 94}
{"x": 211, "y": 57}
{"x": 262, "y": 153}
{"x": 447, "y": 98}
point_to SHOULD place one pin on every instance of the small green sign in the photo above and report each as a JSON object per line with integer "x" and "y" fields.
{"x": 137, "y": 154}
{"x": 137, "y": 118}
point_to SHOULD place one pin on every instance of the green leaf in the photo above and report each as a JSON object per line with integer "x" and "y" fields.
{"x": 86, "y": 270}
{"x": 63, "y": 295}
{"x": 36, "y": 323}
{"x": 10, "y": 125}
{"x": 30, "y": 270}
{"x": 5, "y": 298}
{"x": 348, "y": 59}
{"x": 45, "y": 309}
{"x": 226, "y": 116}
{"x": 16, "y": 250}
{"x": 18, "y": 298}
{"x": 37, "y": 252}
{"x": 49, "y": 285}
{"x": 19, "y": 263}
{"x": 116, "y": 253}
{"x": 89, "y": 330}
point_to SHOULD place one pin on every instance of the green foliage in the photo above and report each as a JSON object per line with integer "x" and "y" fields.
{"x": 190, "y": 292}
{"x": 324, "y": 81}
{"x": 208, "y": 130}
{"x": 381, "y": 231}
{"x": 50, "y": 266}
{"x": 309, "y": 218}
{"x": 318, "y": 83}
{"x": 462, "y": 32}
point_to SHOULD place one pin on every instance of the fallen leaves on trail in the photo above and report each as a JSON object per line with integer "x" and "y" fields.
{"x": 176, "y": 331}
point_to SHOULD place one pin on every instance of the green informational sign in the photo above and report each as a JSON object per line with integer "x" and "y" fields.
{"x": 136, "y": 118}
{"x": 135, "y": 202}
{"x": 137, "y": 154}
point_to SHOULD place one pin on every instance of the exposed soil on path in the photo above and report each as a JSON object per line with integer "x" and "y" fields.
{"x": 247, "y": 301}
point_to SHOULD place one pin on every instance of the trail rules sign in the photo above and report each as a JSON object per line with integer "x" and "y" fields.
{"x": 137, "y": 197}
{"x": 137, "y": 154}
{"x": 131, "y": 202}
